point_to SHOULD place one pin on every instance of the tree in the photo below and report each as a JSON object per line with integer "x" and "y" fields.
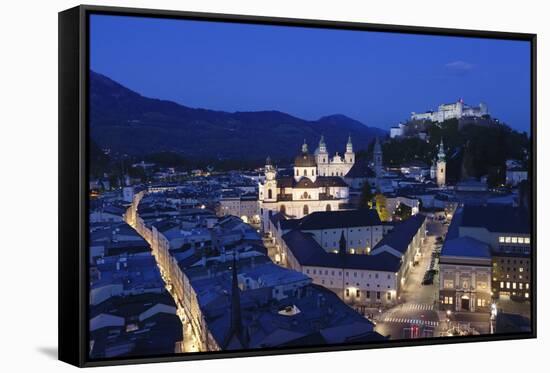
{"x": 402, "y": 212}
{"x": 380, "y": 200}
{"x": 366, "y": 196}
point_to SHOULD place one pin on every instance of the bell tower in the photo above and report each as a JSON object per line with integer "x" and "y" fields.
{"x": 441, "y": 166}
{"x": 270, "y": 186}
{"x": 349, "y": 156}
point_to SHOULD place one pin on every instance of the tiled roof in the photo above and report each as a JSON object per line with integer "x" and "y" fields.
{"x": 309, "y": 253}
{"x": 340, "y": 219}
{"x": 466, "y": 247}
{"x": 401, "y": 236}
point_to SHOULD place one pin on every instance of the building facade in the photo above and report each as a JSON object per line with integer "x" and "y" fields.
{"x": 465, "y": 276}
{"x": 244, "y": 206}
{"x": 317, "y": 184}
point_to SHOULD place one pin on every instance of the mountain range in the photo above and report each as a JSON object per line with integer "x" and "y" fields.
{"x": 129, "y": 123}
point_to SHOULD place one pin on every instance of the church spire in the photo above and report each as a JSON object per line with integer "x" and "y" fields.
{"x": 349, "y": 145}
{"x": 235, "y": 327}
{"x": 342, "y": 249}
{"x": 441, "y": 153}
{"x": 236, "y": 322}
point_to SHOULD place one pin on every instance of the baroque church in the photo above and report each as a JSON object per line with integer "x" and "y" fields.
{"x": 316, "y": 184}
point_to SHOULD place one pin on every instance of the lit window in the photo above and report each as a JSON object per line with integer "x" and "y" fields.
{"x": 527, "y": 286}
{"x": 502, "y": 285}
{"x": 521, "y": 285}
{"x": 513, "y": 285}
{"x": 501, "y": 239}
{"x": 508, "y": 239}
{"x": 526, "y": 295}
{"x": 514, "y": 240}
{"x": 527, "y": 240}
{"x": 507, "y": 285}
{"x": 521, "y": 269}
{"x": 520, "y": 239}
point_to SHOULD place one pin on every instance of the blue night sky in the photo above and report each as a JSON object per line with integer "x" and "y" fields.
{"x": 377, "y": 78}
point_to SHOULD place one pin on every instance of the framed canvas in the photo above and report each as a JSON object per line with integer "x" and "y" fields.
{"x": 235, "y": 186}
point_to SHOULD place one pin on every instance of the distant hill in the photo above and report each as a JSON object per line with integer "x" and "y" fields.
{"x": 127, "y": 122}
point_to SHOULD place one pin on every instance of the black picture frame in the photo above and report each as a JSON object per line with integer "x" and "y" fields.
{"x": 73, "y": 180}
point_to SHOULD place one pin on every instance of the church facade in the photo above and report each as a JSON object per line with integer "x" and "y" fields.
{"x": 317, "y": 184}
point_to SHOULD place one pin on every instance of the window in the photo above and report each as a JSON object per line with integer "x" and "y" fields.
{"x": 305, "y": 172}
{"x": 357, "y": 293}
{"x": 465, "y": 284}
{"x": 501, "y": 239}
{"x": 388, "y": 295}
{"x": 328, "y": 208}
{"x": 389, "y": 276}
{"x": 502, "y": 285}
{"x": 306, "y": 210}
{"x": 527, "y": 240}
{"x": 520, "y": 239}
{"x": 269, "y": 193}
{"x": 481, "y": 285}
{"x": 448, "y": 284}
{"x": 521, "y": 269}
{"x": 347, "y": 292}
{"x": 514, "y": 240}
{"x": 507, "y": 285}
{"x": 377, "y": 295}
{"x": 368, "y": 294}
{"x": 508, "y": 239}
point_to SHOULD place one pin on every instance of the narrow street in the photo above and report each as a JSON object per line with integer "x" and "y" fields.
{"x": 417, "y": 316}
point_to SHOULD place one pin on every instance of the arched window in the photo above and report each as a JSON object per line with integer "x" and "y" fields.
{"x": 305, "y": 172}
{"x": 282, "y": 209}
{"x": 269, "y": 194}
{"x": 306, "y": 210}
{"x": 297, "y": 172}
{"x": 328, "y": 208}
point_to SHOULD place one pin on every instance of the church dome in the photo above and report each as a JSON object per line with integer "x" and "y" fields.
{"x": 305, "y": 160}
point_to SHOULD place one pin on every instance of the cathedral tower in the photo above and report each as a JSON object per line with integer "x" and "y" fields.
{"x": 349, "y": 156}
{"x": 321, "y": 154}
{"x": 270, "y": 186}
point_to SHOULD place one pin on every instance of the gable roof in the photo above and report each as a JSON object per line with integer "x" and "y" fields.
{"x": 309, "y": 253}
{"x": 339, "y": 219}
{"x": 466, "y": 247}
{"x": 402, "y": 234}
{"x": 360, "y": 170}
